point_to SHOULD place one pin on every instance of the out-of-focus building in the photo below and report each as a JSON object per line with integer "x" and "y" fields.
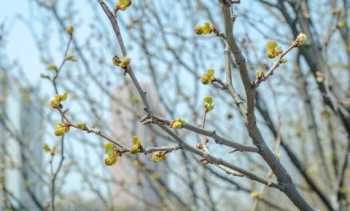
{"x": 21, "y": 152}
{"x": 133, "y": 189}
{"x": 31, "y": 153}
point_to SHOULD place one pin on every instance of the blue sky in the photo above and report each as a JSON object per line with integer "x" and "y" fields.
{"x": 20, "y": 46}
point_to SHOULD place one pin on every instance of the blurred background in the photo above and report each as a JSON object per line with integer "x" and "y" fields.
{"x": 302, "y": 110}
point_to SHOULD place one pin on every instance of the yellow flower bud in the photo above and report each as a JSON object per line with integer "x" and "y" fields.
{"x": 52, "y": 67}
{"x": 259, "y": 75}
{"x": 61, "y": 129}
{"x": 136, "y": 145}
{"x": 46, "y": 148}
{"x": 208, "y": 77}
{"x": 177, "y": 123}
{"x": 108, "y": 148}
{"x": 70, "y": 30}
{"x": 208, "y": 103}
{"x": 135, "y": 100}
{"x": 300, "y": 40}
{"x": 111, "y": 154}
{"x": 255, "y": 195}
{"x": 158, "y": 156}
{"x": 122, "y": 62}
{"x": 64, "y": 96}
{"x": 272, "y": 49}
{"x": 205, "y": 28}
{"x": 111, "y": 159}
{"x": 82, "y": 126}
{"x": 71, "y": 58}
{"x": 123, "y": 4}
{"x": 56, "y": 101}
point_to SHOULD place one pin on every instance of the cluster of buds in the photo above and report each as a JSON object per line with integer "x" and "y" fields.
{"x": 123, "y": 4}
{"x": 122, "y": 62}
{"x": 61, "y": 129}
{"x": 208, "y": 77}
{"x": 158, "y": 156}
{"x": 177, "y": 123}
{"x": 208, "y": 103}
{"x": 136, "y": 145}
{"x": 56, "y": 101}
{"x": 112, "y": 155}
{"x": 272, "y": 49}
{"x": 205, "y": 28}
